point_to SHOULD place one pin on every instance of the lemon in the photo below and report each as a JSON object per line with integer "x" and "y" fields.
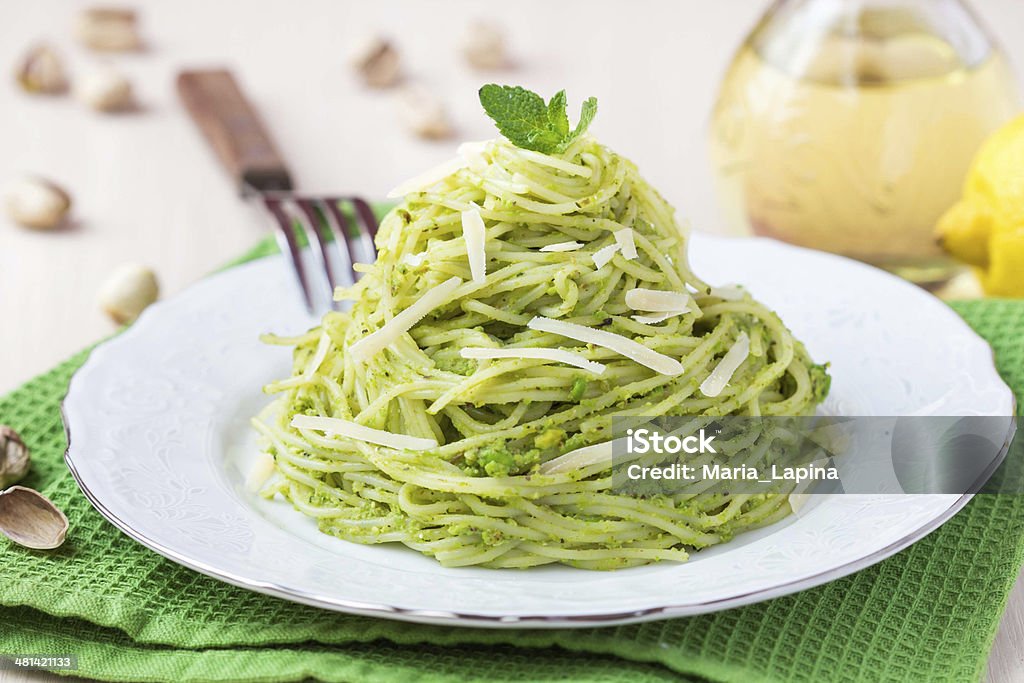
{"x": 986, "y": 227}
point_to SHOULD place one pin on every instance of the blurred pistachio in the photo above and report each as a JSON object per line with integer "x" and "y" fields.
{"x": 109, "y": 29}
{"x": 423, "y": 113}
{"x": 105, "y": 89}
{"x": 30, "y": 519}
{"x": 377, "y": 62}
{"x": 14, "y": 457}
{"x": 41, "y": 70}
{"x": 128, "y": 290}
{"x": 37, "y": 203}
{"x": 484, "y": 46}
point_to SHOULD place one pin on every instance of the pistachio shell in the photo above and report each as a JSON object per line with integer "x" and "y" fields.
{"x": 37, "y": 203}
{"x": 377, "y": 61}
{"x": 423, "y": 112}
{"x": 28, "y": 518}
{"x": 105, "y": 89}
{"x": 484, "y": 46}
{"x": 14, "y": 457}
{"x": 109, "y": 29}
{"x": 41, "y": 71}
{"x": 127, "y": 292}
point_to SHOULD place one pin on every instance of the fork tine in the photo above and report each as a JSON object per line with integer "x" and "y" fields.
{"x": 309, "y": 218}
{"x": 338, "y": 226}
{"x": 369, "y": 223}
{"x": 342, "y": 234}
{"x": 366, "y": 215}
{"x": 353, "y": 244}
{"x": 288, "y": 244}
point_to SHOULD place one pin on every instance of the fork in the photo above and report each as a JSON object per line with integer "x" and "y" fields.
{"x": 236, "y": 133}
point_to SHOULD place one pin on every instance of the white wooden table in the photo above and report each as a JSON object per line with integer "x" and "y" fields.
{"x": 147, "y": 190}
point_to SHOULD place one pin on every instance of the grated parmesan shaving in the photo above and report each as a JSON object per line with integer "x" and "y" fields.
{"x": 429, "y": 178}
{"x": 555, "y": 355}
{"x": 609, "y": 340}
{"x": 714, "y": 383}
{"x": 473, "y": 154}
{"x": 374, "y": 343}
{"x": 354, "y": 430}
{"x": 657, "y": 301}
{"x": 475, "y": 234}
{"x": 657, "y": 317}
{"x": 563, "y": 246}
{"x": 605, "y": 254}
{"x": 260, "y": 472}
{"x": 579, "y": 458}
{"x": 797, "y": 501}
{"x": 318, "y": 356}
{"x": 624, "y": 238}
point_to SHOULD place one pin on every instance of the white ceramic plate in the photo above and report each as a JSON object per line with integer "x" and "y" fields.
{"x": 159, "y": 442}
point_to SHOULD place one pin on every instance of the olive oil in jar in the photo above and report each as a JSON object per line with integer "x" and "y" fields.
{"x": 857, "y": 139}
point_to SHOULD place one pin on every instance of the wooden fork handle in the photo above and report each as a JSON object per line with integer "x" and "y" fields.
{"x": 233, "y": 129}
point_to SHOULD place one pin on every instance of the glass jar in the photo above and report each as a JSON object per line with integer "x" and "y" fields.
{"x": 848, "y": 126}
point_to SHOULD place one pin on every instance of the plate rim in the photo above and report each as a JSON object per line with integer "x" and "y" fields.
{"x": 548, "y": 621}
{"x": 475, "y": 620}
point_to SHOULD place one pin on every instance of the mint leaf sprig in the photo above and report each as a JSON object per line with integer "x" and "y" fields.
{"x": 522, "y": 116}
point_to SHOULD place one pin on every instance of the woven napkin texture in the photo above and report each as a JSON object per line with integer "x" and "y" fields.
{"x": 928, "y": 613}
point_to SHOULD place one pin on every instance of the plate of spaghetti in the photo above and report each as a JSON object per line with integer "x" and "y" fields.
{"x": 436, "y": 448}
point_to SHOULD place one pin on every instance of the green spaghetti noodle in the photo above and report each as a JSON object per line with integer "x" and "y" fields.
{"x": 479, "y": 483}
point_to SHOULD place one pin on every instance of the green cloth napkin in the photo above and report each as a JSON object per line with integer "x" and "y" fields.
{"x": 929, "y": 613}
